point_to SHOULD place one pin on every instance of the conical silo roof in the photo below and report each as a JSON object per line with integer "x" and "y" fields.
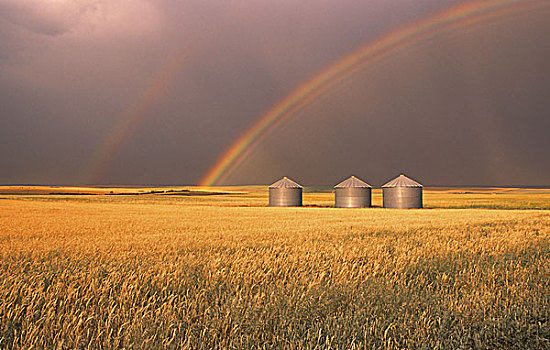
{"x": 285, "y": 182}
{"x": 402, "y": 181}
{"x": 354, "y": 182}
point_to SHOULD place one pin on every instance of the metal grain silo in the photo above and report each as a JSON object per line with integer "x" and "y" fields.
{"x": 402, "y": 193}
{"x": 352, "y": 193}
{"x": 285, "y": 193}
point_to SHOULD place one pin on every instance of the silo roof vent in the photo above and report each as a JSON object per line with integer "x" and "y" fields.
{"x": 353, "y": 182}
{"x": 285, "y": 182}
{"x": 402, "y": 181}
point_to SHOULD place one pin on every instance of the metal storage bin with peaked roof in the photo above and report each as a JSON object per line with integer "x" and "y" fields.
{"x": 285, "y": 193}
{"x": 352, "y": 193}
{"x": 402, "y": 193}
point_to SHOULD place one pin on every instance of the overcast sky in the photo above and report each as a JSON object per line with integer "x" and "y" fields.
{"x": 468, "y": 108}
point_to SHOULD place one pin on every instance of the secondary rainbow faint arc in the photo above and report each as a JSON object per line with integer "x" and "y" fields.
{"x": 126, "y": 122}
{"x": 385, "y": 47}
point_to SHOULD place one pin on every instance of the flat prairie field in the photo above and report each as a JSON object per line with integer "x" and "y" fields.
{"x": 215, "y": 268}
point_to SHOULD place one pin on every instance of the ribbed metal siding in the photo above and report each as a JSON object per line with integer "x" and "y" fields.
{"x": 352, "y": 197}
{"x": 285, "y": 197}
{"x": 402, "y": 197}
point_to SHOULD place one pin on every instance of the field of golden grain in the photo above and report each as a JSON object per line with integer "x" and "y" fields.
{"x": 182, "y": 270}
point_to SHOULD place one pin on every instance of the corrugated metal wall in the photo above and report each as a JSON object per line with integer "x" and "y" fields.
{"x": 352, "y": 197}
{"x": 402, "y": 197}
{"x": 285, "y": 197}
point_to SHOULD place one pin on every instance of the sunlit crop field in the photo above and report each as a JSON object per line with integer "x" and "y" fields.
{"x": 173, "y": 269}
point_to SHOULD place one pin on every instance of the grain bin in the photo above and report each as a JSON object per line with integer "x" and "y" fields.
{"x": 285, "y": 193}
{"x": 402, "y": 193}
{"x": 352, "y": 193}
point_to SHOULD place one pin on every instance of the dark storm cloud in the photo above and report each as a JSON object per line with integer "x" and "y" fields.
{"x": 70, "y": 69}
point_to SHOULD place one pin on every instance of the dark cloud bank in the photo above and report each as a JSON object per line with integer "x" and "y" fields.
{"x": 469, "y": 108}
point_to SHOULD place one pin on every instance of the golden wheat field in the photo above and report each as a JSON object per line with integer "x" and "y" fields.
{"x": 187, "y": 269}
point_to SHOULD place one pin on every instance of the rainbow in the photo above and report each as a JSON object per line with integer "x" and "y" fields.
{"x": 350, "y": 66}
{"x": 126, "y": 123}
